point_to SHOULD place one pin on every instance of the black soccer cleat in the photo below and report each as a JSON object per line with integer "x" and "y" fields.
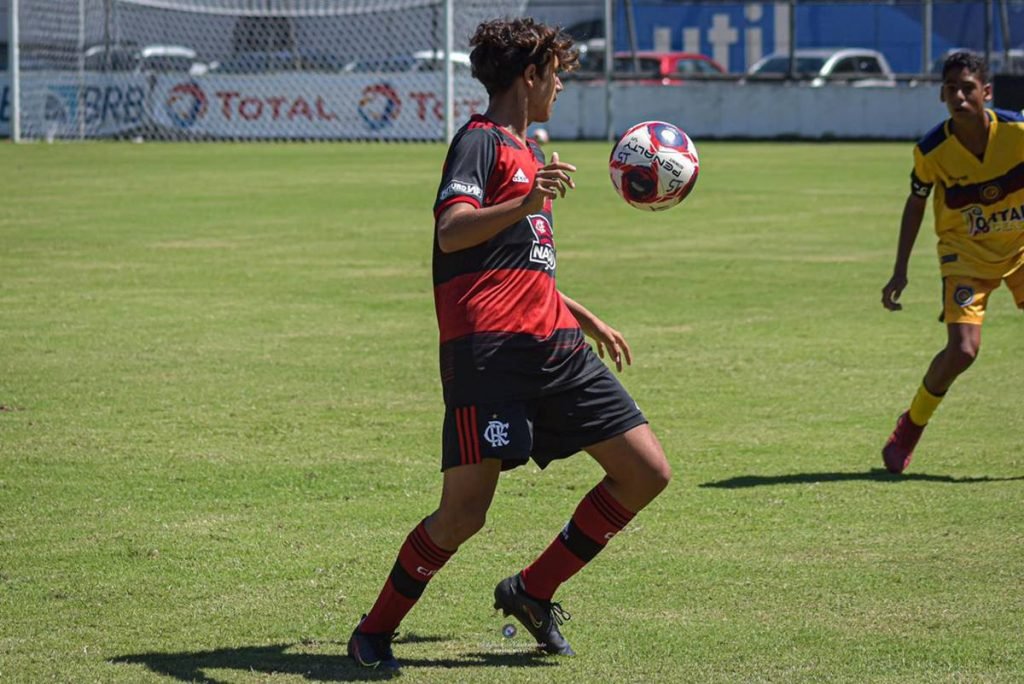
{"x": 372, "y": 650}
{"x": 541, "y": 618}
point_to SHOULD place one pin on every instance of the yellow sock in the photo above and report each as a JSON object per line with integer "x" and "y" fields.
{"x": 924, "y": 405}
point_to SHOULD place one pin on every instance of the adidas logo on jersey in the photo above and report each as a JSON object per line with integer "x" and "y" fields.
{"x": 520, "y": 177}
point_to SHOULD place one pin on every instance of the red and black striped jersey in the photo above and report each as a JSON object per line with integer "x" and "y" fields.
{"x": 505, "y": 331}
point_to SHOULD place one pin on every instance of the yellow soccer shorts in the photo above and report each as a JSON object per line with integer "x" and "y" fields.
{"x": 964, "y": 298}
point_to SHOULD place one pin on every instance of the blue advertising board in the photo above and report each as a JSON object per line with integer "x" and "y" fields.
{"x": 738, "y": 34}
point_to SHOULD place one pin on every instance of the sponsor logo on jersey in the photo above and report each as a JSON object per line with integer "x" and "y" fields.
{"x": 1001, "y": 221}
{"x": 457, "y": 187}
{"x": 542, "y": 251}
{"x": 520, "y": 177}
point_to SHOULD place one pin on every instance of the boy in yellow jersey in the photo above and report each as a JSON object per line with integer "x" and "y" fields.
{"x": 975, "y": 162}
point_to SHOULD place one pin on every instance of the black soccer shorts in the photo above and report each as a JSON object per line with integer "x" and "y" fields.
{"x": 543, "y": 428}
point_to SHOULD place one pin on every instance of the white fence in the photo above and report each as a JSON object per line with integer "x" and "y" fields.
{"x": 753, "y": 110}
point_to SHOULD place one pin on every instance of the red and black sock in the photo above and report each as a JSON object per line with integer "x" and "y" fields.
{"x": 597, "y": 519}
{"x": 418, "y": 561}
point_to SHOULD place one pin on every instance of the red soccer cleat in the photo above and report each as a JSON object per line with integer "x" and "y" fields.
{"x": 899, "y": 448}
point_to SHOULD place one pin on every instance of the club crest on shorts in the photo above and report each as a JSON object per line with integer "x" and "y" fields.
{"x": 542, "y": 251}
{"x": 496, "y": 433}
{"x": 963, "y": 295}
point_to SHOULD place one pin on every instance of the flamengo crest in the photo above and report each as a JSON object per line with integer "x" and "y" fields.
{"x": 496, "y": 433}
{"x": 542, "y": 251}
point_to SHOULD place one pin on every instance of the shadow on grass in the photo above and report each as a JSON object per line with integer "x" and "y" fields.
{"x": 317, "y": 667}
{"x": 873, "y": 475}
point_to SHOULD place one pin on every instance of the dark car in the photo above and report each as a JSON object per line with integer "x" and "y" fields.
{"x": 260, "y": 62}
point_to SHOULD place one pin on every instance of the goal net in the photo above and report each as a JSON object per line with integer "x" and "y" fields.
{"x": 245, "y": 69}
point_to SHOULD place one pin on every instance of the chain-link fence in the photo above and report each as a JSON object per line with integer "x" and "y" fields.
{"x": 375, "y": 69}
{"x": 245, "y": 69}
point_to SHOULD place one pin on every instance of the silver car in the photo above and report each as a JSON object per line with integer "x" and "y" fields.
{"x": 857, "y": 67}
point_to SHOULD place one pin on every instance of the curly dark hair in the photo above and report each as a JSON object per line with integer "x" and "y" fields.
{"x": 503, "y": 48}
{"x": 966, "y": 60}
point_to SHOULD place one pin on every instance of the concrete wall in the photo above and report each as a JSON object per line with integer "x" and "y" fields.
{"x": 755, "y": 110}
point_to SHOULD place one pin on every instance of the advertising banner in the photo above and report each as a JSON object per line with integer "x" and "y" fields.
{"x": 60, "y": 105}
{"x": 311, "y": 106}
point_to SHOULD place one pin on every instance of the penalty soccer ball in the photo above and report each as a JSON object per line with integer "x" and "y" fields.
{"x": 654, "y": 165}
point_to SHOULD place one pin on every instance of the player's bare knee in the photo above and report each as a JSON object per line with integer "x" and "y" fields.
{"x": 657, "y": 478}
{"x": 450, "y": 526}
{"x": 664, "y": 475}
{"x": 464, "y": 525}
{"x": 962, "y": 356}
{"x": 647, "y": 481}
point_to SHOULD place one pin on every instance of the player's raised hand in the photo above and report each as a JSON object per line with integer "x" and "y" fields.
{"x": 892, "y": 291}
{"x": 553, "y": 178}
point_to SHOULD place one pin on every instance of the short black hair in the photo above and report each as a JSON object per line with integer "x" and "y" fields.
{"x": 971, "y": 61}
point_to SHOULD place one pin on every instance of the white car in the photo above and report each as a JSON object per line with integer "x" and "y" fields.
{"x": 433, "y": 60}
{"x": 419, "y": 62}
{"x": 151, "y": 59}
{"x": 857, "y": 67}
{"x": 171, "y": 58}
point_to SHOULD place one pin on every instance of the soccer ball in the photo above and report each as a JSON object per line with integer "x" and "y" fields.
{"x": 654, "y": 165}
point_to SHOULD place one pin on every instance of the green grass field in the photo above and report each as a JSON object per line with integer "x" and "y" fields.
{"x": 220, "y": 415}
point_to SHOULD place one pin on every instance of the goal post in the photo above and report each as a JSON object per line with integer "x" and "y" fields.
{"x": 244, "y": 69}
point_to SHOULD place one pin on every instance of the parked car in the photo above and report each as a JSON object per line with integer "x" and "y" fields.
{"x": 422, "y": 61}
{"x": 149, "y": 59}
{"x": 266, "y": 61}
{"x": 171, "y": 59}
{"x": 858, "y": 67}
{"x": 997, "y": 63}
{"x": 666, "y": 68}
{"x": 652, "y": 67}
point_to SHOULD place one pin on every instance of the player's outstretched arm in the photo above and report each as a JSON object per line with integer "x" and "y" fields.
{"x": 462, "y": 226}
{"x": 606, "y": 336}
{"x": 910, "y": 225}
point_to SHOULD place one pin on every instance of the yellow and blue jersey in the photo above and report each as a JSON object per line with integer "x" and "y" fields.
{"x": 979, "y": 203}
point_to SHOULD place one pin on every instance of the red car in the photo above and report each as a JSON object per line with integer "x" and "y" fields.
{"x": 666, "y": 68}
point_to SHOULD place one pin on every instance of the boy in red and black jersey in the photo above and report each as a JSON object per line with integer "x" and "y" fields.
{"x": 505, "y": 331}
{"x": 520, "y": 382}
